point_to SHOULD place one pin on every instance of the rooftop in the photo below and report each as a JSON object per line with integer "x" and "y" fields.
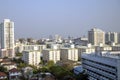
{"x": 14, "y": 70}
{"x": 2, "y": 74}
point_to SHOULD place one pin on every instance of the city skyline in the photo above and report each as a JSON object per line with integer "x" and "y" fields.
{"x": 39, "y": 19}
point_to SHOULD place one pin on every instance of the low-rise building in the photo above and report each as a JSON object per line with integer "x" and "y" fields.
{"x": 3, "y": 76}
{"x": 8, "y": 64}
{"x": 14, "y": 74}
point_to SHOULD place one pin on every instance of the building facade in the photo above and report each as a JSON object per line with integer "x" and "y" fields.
{"x": 100, "y": 67}
{"x": 7, "y": 38}
{"x": 51, "y": 54}
{"x": 96, "y": 36}
{"x": 69, "y": 54}
{"x": 111, "y": 37}
{"x": 31, "y": 57}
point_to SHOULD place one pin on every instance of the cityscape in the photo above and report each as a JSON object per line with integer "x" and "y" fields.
{"x": 90, "y": 55}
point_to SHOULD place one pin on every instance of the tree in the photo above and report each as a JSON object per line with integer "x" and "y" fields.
{"x": 50, "y": 63}
{"x": 3, "y": 69}
{"x": 19, "y": 54}
{"x": 21, "y": 40}
{"x": 59, "y": 72}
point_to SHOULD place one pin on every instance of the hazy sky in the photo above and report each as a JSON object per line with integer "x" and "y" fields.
{"x": 41, "y": 18}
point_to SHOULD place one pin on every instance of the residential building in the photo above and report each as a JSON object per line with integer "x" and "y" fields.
{"x": 103, "y": 48}
{"x": 24, "y": 47}
{"x": 102, "y": 66}
{"x": 8, "y": 64}
{"x": 116, "y": 47}
{"x": 15, "y": 74}
{"x": 3, "y": 76}
{"x": 111, "y": 37}
{"x": 118, "y": 38}
{"x": 69, "y": 53}
{"x": 96, "y": 36}
{"x": 81, "y": 41}
{"x": 31, "y": 57}
{"x": 85, "y": 49}
{"x": 51, "y": 54}
{"x": 7, "y": 38}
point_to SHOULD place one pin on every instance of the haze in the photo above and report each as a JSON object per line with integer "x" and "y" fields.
{"x": 41, "y": 18}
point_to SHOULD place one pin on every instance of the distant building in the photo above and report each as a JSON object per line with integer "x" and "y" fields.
{"x": 119, "y": 38}
{"x": 111, "y": 37}
{"x": 85, "y": 49}
{"x": 70, "y": 53}
{"x": 7, "y": 38}
{"x": 51, "y": 54}
{"x": 31, "y": 57}
{"x": 96, "y": 36}
{"x": 81, "y": 41}
{"x": 22, "y": 47}
{"x": 102, "y": 66}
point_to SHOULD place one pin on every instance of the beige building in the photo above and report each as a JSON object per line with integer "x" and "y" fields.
{"x": 69, "y": 54}
{"x": 31, "y": 57}
{"x": 7, "y": 39}
{"x": 51, "y": 54}
{"x": 96, "y": 36}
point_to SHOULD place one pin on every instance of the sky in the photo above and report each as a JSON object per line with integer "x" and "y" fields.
{"x": 42, "y": 18}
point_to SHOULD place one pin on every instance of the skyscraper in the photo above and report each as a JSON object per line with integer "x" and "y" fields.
{"x": 7, "y": 38}
{"x": 96, "y": 36}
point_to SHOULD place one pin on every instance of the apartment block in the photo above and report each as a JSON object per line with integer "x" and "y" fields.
{"x": 96, "y": 36}
{"x": 31, "y": 57}
{"x": 51, "y": 55}
{"x": 69, "y": 54}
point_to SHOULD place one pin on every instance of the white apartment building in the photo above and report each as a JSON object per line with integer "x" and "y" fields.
{"x": 102, "y": 66}
{"x": 7, "y": 38}
{"x": 85, "y": 49}
{"x": 96, "y": 36}
{"x": 69, "y": 53}
{"x": 24, "y": 47}
{"x": 31, "y": 57}
{"x": 103, "y": 48}
{"x": 51, "y": 55}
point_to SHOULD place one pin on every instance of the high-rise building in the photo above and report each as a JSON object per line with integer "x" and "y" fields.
{"x": 111, "y": 37}
{"x": 7, "y": 38}
{"x": 96, "y": 36}
{"x": 119, "y": 38}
